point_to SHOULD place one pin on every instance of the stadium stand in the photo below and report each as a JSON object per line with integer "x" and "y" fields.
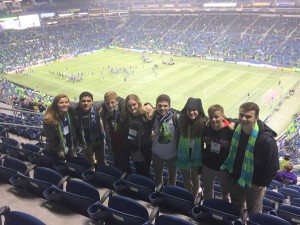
{"x": 251, "y": 37}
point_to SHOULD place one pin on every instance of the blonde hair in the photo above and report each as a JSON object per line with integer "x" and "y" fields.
{"x": 288, "y": 166}
{"x": 141, "y": 109}
{"x": 110, "y": 95}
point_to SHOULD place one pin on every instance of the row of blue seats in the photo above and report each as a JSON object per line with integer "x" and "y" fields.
{"x": 171, "y": 197}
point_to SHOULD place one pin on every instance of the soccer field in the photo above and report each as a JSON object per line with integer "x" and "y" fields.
{"x": 214, "y": 82}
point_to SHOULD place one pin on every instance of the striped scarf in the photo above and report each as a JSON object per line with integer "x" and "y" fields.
{"x": 247, "y": 167}
{"x": 62, "y": 139}
{"x": 184, "y": 159}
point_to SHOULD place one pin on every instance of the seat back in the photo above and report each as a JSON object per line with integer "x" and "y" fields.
{"x": 213, "y": 210}
{"x": 295, "y": 202}
{"x": 168, "y": 219}
{"x": 43, "y": 160}
{"x": 289, "y": 193}
{"x": 74, "y": 166}
{"x": 11, "y": 166}
{"x": 290, "y": 213}
{"x": 136, "y": 186}
{"x": 16, "y": 217}
{"x": 294, "y": 187}
{"x": 78, "y": 197}
{"x": 265, "y": 219}
{"x": 24, "y": 152}
{"x": 43, "y": 178}
{"x": 274, "y": 196}
{"x": 120, "y": 210}
{"x": 8, "y": 143}
{"x": 173, "y": 198}
{"x": 104, "y": 176}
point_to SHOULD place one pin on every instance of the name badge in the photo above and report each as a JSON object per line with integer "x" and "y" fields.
{"x": 66, "y": 130}
{"x": 132, "y": 134}
{"x": 192, "y": 143}
{"x": 215, "y": 147}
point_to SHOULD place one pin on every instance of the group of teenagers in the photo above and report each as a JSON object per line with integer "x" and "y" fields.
{"x": 241, "y": 153}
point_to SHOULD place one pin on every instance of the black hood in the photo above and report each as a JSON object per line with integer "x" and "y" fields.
{"x": 265, "y": 129}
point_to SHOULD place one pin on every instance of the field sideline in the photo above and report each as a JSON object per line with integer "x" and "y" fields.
{"x": 213, "y": 82}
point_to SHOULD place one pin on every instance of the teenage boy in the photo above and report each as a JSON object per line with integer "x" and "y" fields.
{"x": 89, "y": 131}
{"x": 165, "y": 140}
{"x": 252, "y": 161}
{"x": 217, "y": 138}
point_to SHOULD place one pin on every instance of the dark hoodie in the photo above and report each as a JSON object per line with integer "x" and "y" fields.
{"x": 265, "y": 156}
{"x": 215, "y": 159}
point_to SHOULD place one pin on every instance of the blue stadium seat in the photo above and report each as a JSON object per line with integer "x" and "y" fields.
{"x": 289, "y": 193}
{"x": 24, "y": 152}
{"x": 136, "y": 186}
{"x": 266, "y": 219}
{"x": 42, "y": 179}
{"x": 73, "y": 166}
{"x": 10, "y": 166}
{"x": 120, "y": 210}
{"x": 169, "y": 220}
{"x": 295, "y": 202}
{"x": 7, "y": 144}
{"x": 173, "y": 198}
{"x": 215, "y": 211}
{"x": 16, "y": 217}
{"x": 77, "y": 197}
{"x": 104, "y": 176}
{"x": 289, "y": 213}
{"x": 276, "y": 197}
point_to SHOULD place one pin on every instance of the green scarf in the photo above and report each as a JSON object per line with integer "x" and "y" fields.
{"x": 184, "y": 161}
{"x": 247, "y": 168}
{"x": 62, "y": 140}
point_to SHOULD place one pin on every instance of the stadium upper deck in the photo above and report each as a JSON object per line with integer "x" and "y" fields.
{"x": 264, "y": 39}
{"x": 40, "y": 6}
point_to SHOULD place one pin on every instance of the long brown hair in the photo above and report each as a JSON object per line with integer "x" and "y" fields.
{"x": 52, "y": 116}
{"x": 196, "y": 125}
{"x": 141, "y": 109}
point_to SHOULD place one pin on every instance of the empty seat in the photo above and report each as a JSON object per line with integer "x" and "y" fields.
{"x": 104, "y": 176}
{"x": 120, "y": 210}
{"x": 266, "y": 219}
{"x": 173, "y": 198}
{"x": 42, "y": 179}
{"x": 10, "y": 166}
{"x": 77, "y": 197}
{"x": 136, "y": 186}
{"x": 214, "y": 210}
{"x": 18, "y": 218}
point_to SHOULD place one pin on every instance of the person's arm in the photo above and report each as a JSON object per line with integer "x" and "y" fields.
{"x": 294, "y": 178}
{"x": 52, "y": 139}
{"x": 272, "y": 165}
{"x": 279, "y": 176}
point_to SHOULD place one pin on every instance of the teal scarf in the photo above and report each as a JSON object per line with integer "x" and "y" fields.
{"x": 184, "y": 161}
{"x": 247, "y": 168}
{"x": 62, "y": 139}
{"x": 165, "y": 135}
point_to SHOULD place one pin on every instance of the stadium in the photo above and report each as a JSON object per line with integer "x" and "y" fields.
{"x": 224, "y": 52}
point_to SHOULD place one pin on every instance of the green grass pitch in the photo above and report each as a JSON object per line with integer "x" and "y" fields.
{"x": 214, "y": 82}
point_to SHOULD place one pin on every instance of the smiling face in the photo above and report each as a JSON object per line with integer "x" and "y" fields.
{"x": 63, "y": 105}
{"x": 111, "y": 104}
{"x": 162, "y": 107}
{"x": 216, "y": 120}
{"x": 86, "y": 103}
{"x": 247, "y": 119}
{"x": 192, "y": 113}
{"x": 132, "y": 107}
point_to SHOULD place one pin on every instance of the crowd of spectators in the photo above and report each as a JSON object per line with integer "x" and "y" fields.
{"x": 257, "y": 39}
